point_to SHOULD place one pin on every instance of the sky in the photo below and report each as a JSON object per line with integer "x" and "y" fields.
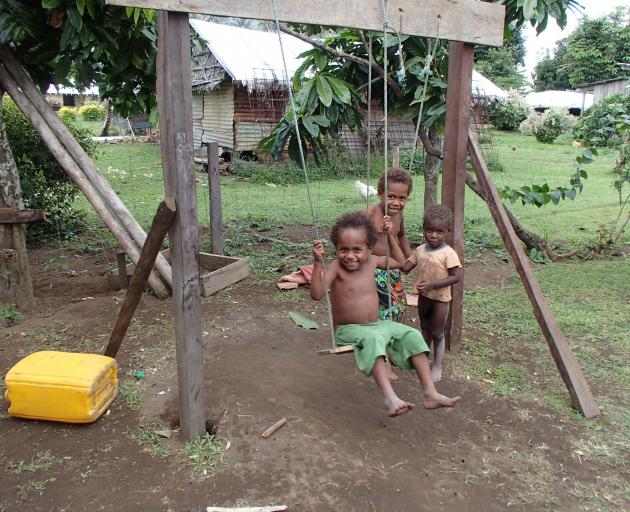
{"x": 536, "y": 45}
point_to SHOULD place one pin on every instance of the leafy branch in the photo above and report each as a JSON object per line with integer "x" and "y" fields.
{"x": 540, "y": 195}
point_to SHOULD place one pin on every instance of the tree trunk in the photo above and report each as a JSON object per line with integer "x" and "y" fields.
{"x": 431, "y": 171}
{"x": 16, "y": 286}
{"x": 108, "y": 119}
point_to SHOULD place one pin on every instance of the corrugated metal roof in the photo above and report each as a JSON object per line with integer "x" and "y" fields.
{"x": 484, "y": 88}
{"x": 250, "y": 56}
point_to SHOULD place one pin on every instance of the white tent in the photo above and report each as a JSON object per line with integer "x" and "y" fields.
{"x": 62, "y": 89}
{"x": 484, "y": 88}
{"x": 559, "y": 99}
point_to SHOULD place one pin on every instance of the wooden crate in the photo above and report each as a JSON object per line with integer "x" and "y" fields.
{"x": 216, "y": 272}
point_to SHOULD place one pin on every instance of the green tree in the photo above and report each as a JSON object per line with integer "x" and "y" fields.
{"x": 552, "y": 72}
{"x": 88, "y": 41}
{"x": 499, "y": 66}
{"x": 590, "y": 53}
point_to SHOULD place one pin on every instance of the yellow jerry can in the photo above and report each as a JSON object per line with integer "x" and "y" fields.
{"x": 61, "y": 386}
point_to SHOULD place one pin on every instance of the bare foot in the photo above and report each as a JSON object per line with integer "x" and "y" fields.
{"x": 436, "y": 373}
{"x": 396, "y": 407}
{"x": 391, "y": 374}
{"x": 437, "y": 400}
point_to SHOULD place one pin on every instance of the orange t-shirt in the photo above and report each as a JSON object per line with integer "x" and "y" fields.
{"x": 433, "y": 265}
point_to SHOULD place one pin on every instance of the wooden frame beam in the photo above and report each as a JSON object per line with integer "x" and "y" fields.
{"x": 458, "y": 97}
{"x": 468, "y": 21}
{"x": 15, "y": 216}
{"x": 174, "y": 90}
{"x": 560, "y": 351}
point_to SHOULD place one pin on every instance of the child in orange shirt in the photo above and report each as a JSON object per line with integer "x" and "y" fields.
{"x": 438, "y": 267}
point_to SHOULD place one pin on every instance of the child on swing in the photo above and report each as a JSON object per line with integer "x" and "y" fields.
{"x": 355, "y": 312}
{"x": 399, "y": 185}
{"x": 438, "y": 267}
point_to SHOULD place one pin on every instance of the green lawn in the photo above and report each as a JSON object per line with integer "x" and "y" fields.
{"x": 134, "y": 170}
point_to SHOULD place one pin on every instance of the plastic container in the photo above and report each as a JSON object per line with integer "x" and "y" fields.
{"x": 61, "y": 386}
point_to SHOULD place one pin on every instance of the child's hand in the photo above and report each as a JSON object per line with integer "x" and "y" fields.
{"x": 318, "y": 251}
{"x": 425, "y": 286}
{"x": 387, "y": 224}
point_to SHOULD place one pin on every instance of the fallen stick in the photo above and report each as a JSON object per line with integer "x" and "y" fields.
{"x": 278, "y": 424}
{"x": 278, "y": 508}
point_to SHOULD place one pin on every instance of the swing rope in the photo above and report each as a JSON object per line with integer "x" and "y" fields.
{"x": 304, "y": 170}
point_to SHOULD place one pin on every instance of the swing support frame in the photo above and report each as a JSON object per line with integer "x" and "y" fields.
{"x": 464, "y": 24}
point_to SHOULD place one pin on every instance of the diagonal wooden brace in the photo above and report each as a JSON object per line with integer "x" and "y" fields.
{"x": 560, "y": 351}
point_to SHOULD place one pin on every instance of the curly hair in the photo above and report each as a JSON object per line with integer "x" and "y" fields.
{"x": 438, "y": 212}
{"x": 354, "y": 220}
{"x": 395, "y": 175}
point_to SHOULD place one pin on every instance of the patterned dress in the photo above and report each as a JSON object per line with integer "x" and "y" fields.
{"x": 397, "y": 291}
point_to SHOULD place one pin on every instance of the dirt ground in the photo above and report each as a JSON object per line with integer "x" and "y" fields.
{"x": 337, "y": 452}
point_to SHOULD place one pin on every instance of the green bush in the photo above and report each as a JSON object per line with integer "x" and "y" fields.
{"x": 92, "y": 112}
{"x": 44, "y": 183}
{"x": 527, "y": 126}
{"x": 419, "y": 160}
{"x": 597, "y": 124}
{"x": 552, "y": 123}
{"x": 68, "y": 114}
{"x": 508, "y": 114}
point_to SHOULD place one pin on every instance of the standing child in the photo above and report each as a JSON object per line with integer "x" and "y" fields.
{"x": 399, "y": 185}
{"x": 355, "y": 308}
{"x": 438, "y": 268}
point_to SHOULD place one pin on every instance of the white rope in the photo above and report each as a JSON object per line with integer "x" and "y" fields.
{"x": 369, "y": 123}
{"x": 303, "y": 164}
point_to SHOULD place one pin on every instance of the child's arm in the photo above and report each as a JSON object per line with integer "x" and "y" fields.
{"x": 318, "y": 287}
{"x": 395, "y": 249}
{"x": 455, "y": 274}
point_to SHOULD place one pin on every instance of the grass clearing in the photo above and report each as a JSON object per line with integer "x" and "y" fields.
{"x": 205, "y": 454}
{"x": 131, "y": 393}
{"x": 43, "y": 460}
{"x": 150, "y": 442}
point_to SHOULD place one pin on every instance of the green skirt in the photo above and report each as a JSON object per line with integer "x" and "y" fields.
{"x": 378, "y": 339}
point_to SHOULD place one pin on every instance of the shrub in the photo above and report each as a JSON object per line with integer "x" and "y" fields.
{"x": 597, "y": 124}
{"x": 44, "y": 183}
{"x": 68, "y": 114}
{"x": 509, "y": 113}
{"x": 527, "y": 126}
{"x": 552, "y": 123}
{"x": 92, "y": 112}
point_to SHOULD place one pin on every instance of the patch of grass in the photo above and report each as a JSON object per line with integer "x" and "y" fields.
{"x": 33, "y": 486}
{"x": 131, "y": 393}
{"x": 205, "y": 454}
{"x": 10, "y": 315}
{"x": 41, "y": 461}
{"x": 536, "y": 474}
{"x": 150, "y": 442}
{"x": 608, "y": 493}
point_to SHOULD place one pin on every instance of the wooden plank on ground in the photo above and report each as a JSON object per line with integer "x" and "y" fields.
{"x": 273, "y": 508}
{"x": 15, "y": 216}
{"x": 216, "y": 209}
{"x": 460, "y": 65}
{"x": 215, "y": 261}
{"x": 151, "y": 248}
{"x": 560, "y": 351}
{"x": 174, "y": 90}
{"x": 460, "y": 20}
{"x": 225, "y": 276}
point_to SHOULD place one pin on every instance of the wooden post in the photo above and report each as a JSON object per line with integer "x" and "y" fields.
{"x": 174, "y": 88}
{"x": 460, "y": 63}
{"x": 161, "y": 222}
{"x": 214, "y": 188}
{"x": 395, "y": 156}
{"x": 558, "y": 346}
{"x": 15, "y": 216}
{"x": 121, "y": 261}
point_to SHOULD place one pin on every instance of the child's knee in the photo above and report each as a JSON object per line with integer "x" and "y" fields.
{"x": 437, "y": 335}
